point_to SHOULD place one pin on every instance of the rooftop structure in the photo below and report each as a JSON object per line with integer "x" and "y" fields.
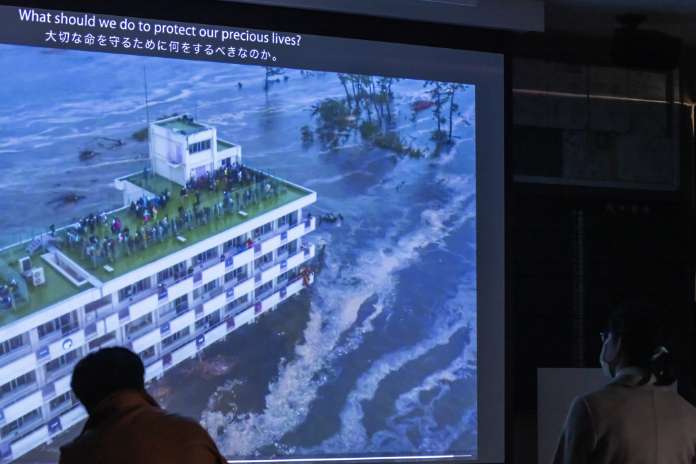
{"x": 181, "y": 124}
{"x": 181, "y": 149}
{"x": 180, "y": 266}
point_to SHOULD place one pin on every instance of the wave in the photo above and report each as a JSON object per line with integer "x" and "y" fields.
{"x": 416, "y": 414}
{"x": 340, "y": 294}
{"x": 336, "y": 178}
{"x": 353, "y": 435}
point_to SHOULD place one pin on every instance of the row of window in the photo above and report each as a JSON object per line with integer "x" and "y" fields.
{"x": 206, "y": 256}
{"x": 12, "y": 344}
{"x": 60, "y": 362}
{"x": 133, "y": 289}
{"x": 26, "y": 380}
{"x": 131, "y": 328}
{"x": 175, "y": 272}
{"x": 173, "y": 338}
{"x": 28, "y": 418}
{"x": 199, "y": 146}
{"x": 239, "y": 274}
{"x": 179, "y": 270}
{"x": 289, "y": 219}
{"x": 67, "y": 323}
{"x": 17, "y": 384}
{"x": 59, "y": 402}
{"x": 62, "y": 325}
{"x": 136, "y": 326}
{"x": 100, "y": 342}
{"x": 262, "y": 230}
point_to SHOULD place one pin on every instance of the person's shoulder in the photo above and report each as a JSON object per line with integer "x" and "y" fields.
{"x": 184, "y": 426}
{"x": 76, "y": 450}
{"x": 597, "y": 400}
{"x": 597, "y": 395}
{"x": 679, "y": 402}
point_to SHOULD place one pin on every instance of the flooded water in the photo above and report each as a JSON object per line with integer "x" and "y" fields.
{"x": 379, "y": 356}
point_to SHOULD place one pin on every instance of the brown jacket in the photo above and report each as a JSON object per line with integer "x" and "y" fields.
{"x": 129, "y": 427}
{"x": 629, "y": 422}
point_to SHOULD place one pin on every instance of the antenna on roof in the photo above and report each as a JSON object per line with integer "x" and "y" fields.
{"x": 147, "y": 102}
{"x": 147, "y": 114}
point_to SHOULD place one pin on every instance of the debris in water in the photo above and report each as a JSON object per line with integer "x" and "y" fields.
{"x": 86, "y": 155}
{"x": 67, "y": 198}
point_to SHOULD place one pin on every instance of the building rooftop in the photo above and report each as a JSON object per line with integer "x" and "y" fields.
{"x": 55, "y": 289}
{"x": 182, "y": 124}
{"x": 58, "y": 288}
{"x": 156, "y": 185}
{"x": 223, "y": 145}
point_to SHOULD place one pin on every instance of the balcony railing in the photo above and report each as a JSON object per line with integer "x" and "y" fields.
{"x": 100, "y": 313}
{"x": 57, "y": 334}
{"x": 61, "y": 408}
{"x": 24, "y": 429}
{"x": 61, "y": 371}
{"x": 112, "y": 308}
{"x": 18, "y": 393}
{"x": 14, "y": 355}
{"x": 140, "y": 331}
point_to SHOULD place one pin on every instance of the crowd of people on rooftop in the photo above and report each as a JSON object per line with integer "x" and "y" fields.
{"x": 8, "y": 293}
{"x": 104, "y": 237}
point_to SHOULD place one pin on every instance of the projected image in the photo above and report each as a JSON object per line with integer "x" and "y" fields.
{"x": 291, "y": 252}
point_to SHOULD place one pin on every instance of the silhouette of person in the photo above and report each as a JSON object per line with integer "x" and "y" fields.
{"x": 125, "y": 424}
{"x": 637, "y": 418}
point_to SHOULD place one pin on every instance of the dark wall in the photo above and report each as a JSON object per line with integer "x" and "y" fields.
{"x": 600, "y": 211}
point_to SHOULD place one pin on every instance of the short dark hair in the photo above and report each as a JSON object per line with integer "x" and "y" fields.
{"x": 643, "y": 330}
{"x": 104, "y": 372}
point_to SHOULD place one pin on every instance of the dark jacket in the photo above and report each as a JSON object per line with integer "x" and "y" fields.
{"x": 631, "y": 421}
{"x": 129, "y": 427}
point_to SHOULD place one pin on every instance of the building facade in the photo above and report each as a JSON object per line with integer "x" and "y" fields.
{"x": 192, "y": 291}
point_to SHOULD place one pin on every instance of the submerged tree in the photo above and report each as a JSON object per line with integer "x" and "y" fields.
{"x": 367, "y": 110}
{"x": 438, "y": 94}
{"x": 271, "y": 73}
{"x": 451, "y": 90}
{"x": 371, "y": 95}
{"x": 334, "y": 121}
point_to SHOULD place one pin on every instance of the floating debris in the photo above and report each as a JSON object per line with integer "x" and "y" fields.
{"x": 421, "y": 105}
{"x": 67, "y": 198}
{"x": 161, "y": 393}
{"x": 109, "y": 143}
{"x": 214, "y": 367}
{"x": 331, "y": 218}
{"x": 86, "y": 155}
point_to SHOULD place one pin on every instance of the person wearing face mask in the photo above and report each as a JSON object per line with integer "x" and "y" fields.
{"x": 638, "y": 418}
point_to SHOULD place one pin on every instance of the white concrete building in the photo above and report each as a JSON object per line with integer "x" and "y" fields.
{"x": 181, "y": 148}
{"x": 166, "y": 302}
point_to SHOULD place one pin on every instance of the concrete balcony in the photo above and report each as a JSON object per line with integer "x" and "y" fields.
{"x": 66, "y": 344}
{"x": 213, "y": 272}
{"x": 146, "y": 341}
{"x": 56, "y": 388}
{"x": 19, "y": 367}
{"x": 30, "y": 440}
{"x": 23, "y": 406}
{"x": 17, "y": 394}
{"x": 143, "y": 307}
{"x": 179, "y": 289}
{"x": 213, "y": 304}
